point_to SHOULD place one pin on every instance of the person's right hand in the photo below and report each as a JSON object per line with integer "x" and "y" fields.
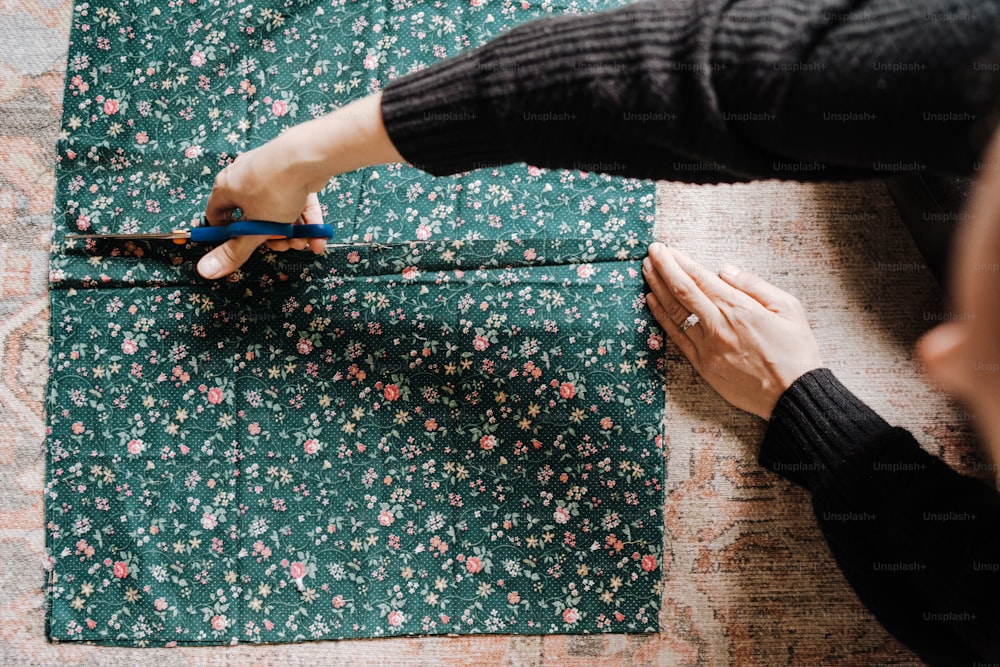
{"x": 262, "y": 183}
{"x": 277, "y": 182}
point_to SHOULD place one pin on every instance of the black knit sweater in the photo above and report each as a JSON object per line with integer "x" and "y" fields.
{"x": 919, "y": 543}
{"x": 733, "y": 90}
{"x": 715, "y": 90}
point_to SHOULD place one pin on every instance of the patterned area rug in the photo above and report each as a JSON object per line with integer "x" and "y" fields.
{"x": 748, "y": 579}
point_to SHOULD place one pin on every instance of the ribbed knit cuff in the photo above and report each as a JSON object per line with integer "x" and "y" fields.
{"x": 434, "y": 118}
{"x": 817, "y": 427}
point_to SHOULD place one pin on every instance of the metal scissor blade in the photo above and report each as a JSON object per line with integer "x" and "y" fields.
{"x": 165, "y": 236}
{"x": 363, "y": 244}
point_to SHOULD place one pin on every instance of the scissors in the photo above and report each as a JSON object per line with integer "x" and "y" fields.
{"x": 219, "y": 233}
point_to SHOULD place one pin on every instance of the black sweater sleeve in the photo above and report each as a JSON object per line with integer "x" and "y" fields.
{"x": 919, "y": 543}
{"x": 714, "y": 91}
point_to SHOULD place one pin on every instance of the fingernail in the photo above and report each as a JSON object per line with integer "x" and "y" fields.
{"x": 209, "y": 266}
{"x": 730, "y": 270}
{"x": 657, "y": 248}
{"x": 646, "y": 264}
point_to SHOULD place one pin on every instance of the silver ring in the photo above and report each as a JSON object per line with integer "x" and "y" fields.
{"x": 691, "y": 320}
{"x": 236, "y": 214}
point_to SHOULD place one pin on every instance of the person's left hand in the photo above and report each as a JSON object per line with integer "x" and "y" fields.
{"x": 752, "y": 340}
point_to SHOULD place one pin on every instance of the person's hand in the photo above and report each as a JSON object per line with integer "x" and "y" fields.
{"x": 277, "y": 182}
{"x": 752, "y": 340}
{"x": 263, "y": 185}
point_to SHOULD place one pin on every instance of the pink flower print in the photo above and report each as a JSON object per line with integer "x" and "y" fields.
{"x": 607, "y": 423}
{"x": 488, "y": 442}
{"x": 141, "y": 138}
{"x": 561, "y": 515}
{"x": 78, "y": 428}
{"x": 215, "y": 396}
{"x": 567, "y": 390}
{"x": 339, "y": 602}
{"x": 396, "y": 618}
{"x": 136, "y": 446}
{"x": 513, "y": 597}
{"x": 160, "y": 604}
{"x": 279, "y": 108}
{"x": 473, "y": 564}
{"x": 198, "y": 59}
{"x": 254, "y": 429}
{"x": 391, "y": 392}
{"x": 304, "y": 346}
{"x": 297, "y": 570}
{"x": 532, "y": 171}
{"x": 584, "y": 271}
{"x": 219, "y": 622}
{"x": 370, "y": 62}
{"x": 431, "y": 424}
{"x": 192, "y": 152}
{"x": 410, "y": 272}
{"x": 311, "y": 446}
{"x": 655, "y": 341}
{"x": 111, "y": 107}
{"x": 570, "y": 615}
{"x": 129, "y": 346}
{"x": 260, "y": 548}
{"x": 423, "y": 232}
{"x": 648, "y": 563}
{"x": 120, "y": 569}
{"x": 480, "y": 343}
{"x": 208, "y": 522}
{"x": 386, "y": 518}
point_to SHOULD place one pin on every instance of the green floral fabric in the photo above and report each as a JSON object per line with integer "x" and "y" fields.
{"x": 456, "y": 432}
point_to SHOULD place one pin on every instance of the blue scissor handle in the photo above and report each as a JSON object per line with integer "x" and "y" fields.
{"x": 210, "y": 234}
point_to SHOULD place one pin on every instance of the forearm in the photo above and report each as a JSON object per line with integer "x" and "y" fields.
{"x": 349, "y": 138}
{"x": 686, "y": 90}
{"x": 917, "y": 541}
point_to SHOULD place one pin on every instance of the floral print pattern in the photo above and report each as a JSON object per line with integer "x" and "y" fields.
{"x": 454, "y": 430}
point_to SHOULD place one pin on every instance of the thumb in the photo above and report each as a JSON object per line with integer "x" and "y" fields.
{"x": 760, "y": 290}
{"x": 229, "y": 256}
